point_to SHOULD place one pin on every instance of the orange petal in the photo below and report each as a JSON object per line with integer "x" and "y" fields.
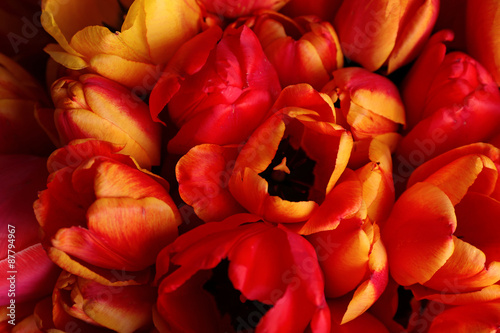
{"x": 482, "y": 317}
{"x": 203, "y": 175}
{"x": 458, "y": 177}
{"x": 416, "y": 28}
{"x": 418, "y": 233}
{"x": 342, "y": 202}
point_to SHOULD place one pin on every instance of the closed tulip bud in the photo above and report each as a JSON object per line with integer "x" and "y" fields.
{"x": 19, "y": 94}
{"x": 92, "y": 106}
{"x": 306, "y": 44}
{"x": 384, "y": 33}
{"x": 127, "y": 45}
{"x": 101, "y": 211}
{"x": 451, "y": 100}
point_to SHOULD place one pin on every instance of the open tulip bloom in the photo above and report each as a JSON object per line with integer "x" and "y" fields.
{"x": 197, "y": 166}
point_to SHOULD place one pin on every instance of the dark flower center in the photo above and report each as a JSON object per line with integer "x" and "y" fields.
{"x": 123, "y": 13}
{"x": 244, "y": 314}
{"x": 290, "y": 175}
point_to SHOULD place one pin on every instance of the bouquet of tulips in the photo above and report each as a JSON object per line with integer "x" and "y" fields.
{"x": 213, "y": 166}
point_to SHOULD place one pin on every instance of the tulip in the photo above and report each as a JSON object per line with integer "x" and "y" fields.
{"x": 370, "y": 107}
{"x": 100, "y": 211}
{"x": 92, "y": 106}
{"x": 19, "y": 93}
{"x": 284, "y": 170}
{"x": 483, "y": 317}
{"x": 385, "y": 33}
{"x": 128, "y": 46}
{"x": 451, "y": 101}
{"x": 442, "y": 234}
{"x": 267, "y": 268}
{"x": 87, "y": 306}
{"x": 482, "y": 24}
{"x": 218, "y": 90}
{"x": 306, "y": 44}
{"x": 235, "y": 9}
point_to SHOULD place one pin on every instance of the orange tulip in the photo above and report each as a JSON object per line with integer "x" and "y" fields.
{"x": 442, "y": 235}
{"x": 370, "y": 107}
{"x": 483, "y": 40}
{"x": 87, "y": 306}
{"x": 129, "y": 46}
{"x": 95, "y": 107}
{"x": 285, "y": 169}
{"x": 388, "y": 33}
{"x": 19, "y": 93}
{"x": 306, "y": 44}
{"x": 101, "y": 211}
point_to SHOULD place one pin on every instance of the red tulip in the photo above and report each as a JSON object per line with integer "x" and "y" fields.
{"x": 92, "y": 106}
{"x": 19, "y": 93}
{"x": 385, "y": 33}
{"x": 218, "y": 90}
{"x": 101, "y": 211}
{"x": 306, "y": 44}
{"x": 285, "y": 169}
{"x": 442, "y": 235}
{"x": 271, "y": 271}
{"x": 450, "y": 100}
{"x": 483, "y": 40}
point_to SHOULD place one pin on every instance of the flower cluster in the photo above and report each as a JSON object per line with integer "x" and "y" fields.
{"x": 249, "y": 166}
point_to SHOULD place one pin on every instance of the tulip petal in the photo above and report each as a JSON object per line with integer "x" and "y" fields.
{"x": 484, "y": 235}
{"x": 468, "y": 318}
{"x": 431, "y": 166}
{"x": 34, "y": 274}
{"x": 136, "y": 75}
{"x": 123, "y": 309}
{"x": 95, "y": 40}
{"x": 190, "y": 307}
{"x": 456, "y": 178}
{"x": 418, "y": 81}
{"x": 418, "y": 234}
{"x": 146, "y": 226}
{"x": 414, "y": 34}
{"x": 454, "y": 294}
{"x": 341, "y": 203}
{"x": 368, "y": 31}
{"x": 189, "y": 59}
{"x": 203, "y": 175}
{"x": 68, "y": 60}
